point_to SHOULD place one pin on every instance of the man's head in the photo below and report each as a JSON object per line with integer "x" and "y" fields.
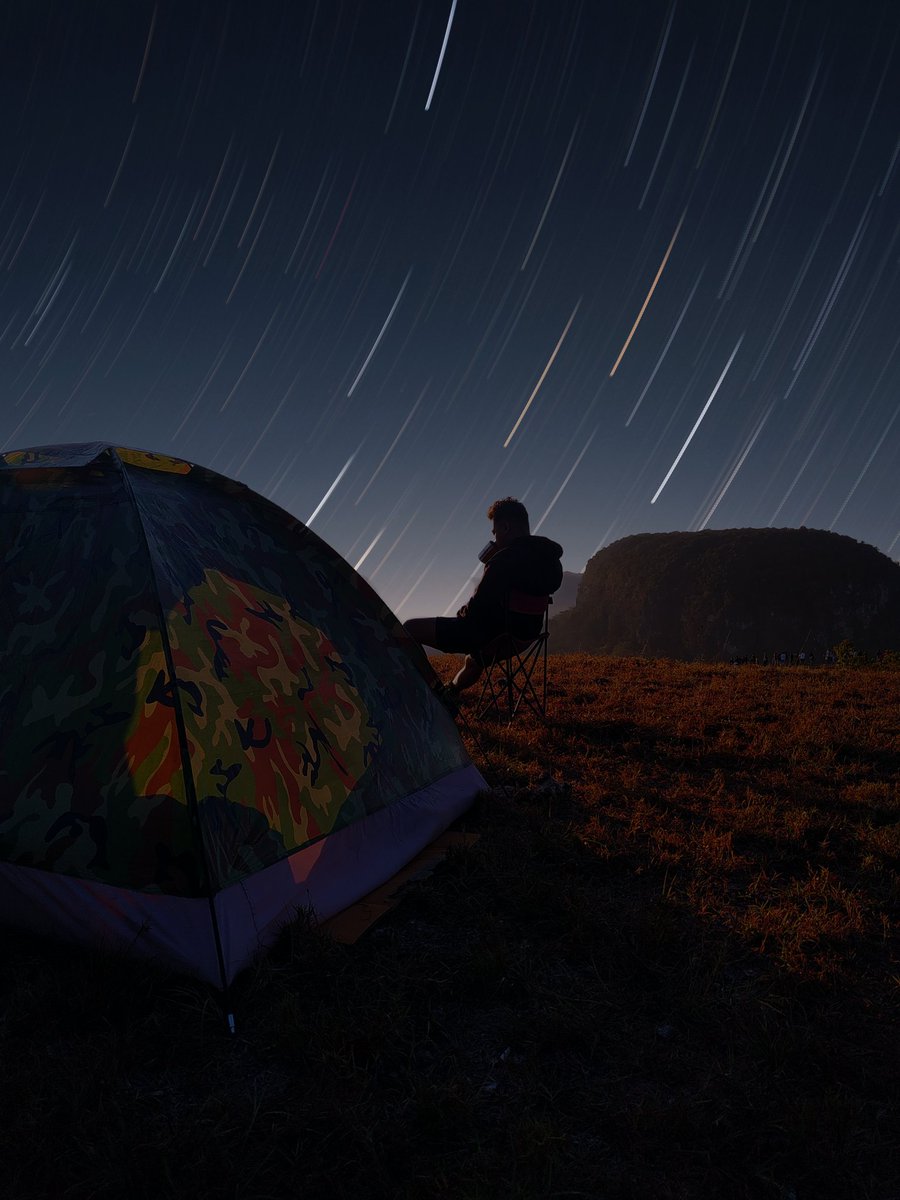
{"x": 509, "y": 520}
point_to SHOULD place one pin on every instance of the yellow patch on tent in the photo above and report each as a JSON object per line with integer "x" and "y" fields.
{"x": 153, "y": 462}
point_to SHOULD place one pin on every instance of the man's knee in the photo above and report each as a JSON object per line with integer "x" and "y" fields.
{"x": 422, "y": 629}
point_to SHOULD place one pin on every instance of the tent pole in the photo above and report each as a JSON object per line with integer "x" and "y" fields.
{"x": 186, "y": 772}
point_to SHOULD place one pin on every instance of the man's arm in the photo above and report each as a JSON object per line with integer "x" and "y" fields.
{"x": 486, "y": 602}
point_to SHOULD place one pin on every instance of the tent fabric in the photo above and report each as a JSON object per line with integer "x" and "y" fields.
{"x": 195, "y": 692}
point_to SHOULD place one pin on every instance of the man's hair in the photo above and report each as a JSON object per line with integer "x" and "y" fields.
{"x": 510, "y": 510}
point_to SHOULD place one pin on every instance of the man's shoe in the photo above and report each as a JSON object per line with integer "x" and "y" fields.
{"x": 449, "y": 696}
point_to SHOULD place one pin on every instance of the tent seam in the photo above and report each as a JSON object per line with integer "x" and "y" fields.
{"x": 187, "y": 773}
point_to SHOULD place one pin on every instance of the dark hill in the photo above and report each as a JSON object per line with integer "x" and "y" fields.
{"x": 568, "y": 591}
{"x": 719, "y": 593}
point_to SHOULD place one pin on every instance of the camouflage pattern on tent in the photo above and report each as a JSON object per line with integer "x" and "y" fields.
{"x": 208, "y": 719}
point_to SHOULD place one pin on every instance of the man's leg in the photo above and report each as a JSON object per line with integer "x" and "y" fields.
{"x": 422, "y": 629}
{"x": 470, "y": 672}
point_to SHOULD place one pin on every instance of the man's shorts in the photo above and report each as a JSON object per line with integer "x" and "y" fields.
{"x": 456, "y": 635}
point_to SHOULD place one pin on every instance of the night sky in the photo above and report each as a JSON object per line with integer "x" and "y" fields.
{"x": 635, "y": 264}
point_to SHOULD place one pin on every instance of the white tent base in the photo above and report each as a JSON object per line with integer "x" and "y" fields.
{"x": 323, "y": 878}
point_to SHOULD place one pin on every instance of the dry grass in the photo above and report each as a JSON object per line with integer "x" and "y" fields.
{"x": 676, "y": 978}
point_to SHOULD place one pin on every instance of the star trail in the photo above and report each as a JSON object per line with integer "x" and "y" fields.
{"x": 634, "y": 263}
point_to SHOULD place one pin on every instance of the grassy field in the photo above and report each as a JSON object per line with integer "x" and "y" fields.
{"x": 676, "y": 975}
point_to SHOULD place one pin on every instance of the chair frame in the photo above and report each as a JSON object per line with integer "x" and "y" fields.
{"x": 514, "y": 661}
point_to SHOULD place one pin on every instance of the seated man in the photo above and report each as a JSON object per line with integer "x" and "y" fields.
{"x": 513, "y": 561}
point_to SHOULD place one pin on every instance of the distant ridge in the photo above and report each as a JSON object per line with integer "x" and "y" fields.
{"x": 719, "y": 593}
{"x": 568, "y": 591}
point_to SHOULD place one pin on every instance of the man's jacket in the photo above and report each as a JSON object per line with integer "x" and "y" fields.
{"x": 529, "y": 564}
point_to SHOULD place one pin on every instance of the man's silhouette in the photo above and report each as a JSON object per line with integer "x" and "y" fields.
{"x": 515, "y": 561}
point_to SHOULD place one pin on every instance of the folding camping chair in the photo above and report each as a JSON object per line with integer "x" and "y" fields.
{"x": 510, "y": 664}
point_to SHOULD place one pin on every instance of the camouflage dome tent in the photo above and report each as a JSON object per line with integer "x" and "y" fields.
{"x": 207, "y": 719}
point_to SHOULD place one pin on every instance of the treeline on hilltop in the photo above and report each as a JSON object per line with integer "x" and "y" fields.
{"x": 720, "y": 593}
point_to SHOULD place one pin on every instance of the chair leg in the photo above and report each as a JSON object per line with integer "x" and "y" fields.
{"x": 516, "y": 686}
{"x": 489, "y": 697}
{"x": 535, "y": 701}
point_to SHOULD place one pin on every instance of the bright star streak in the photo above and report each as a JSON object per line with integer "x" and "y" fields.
{"x": 537, "y": 386}
{"x": 437, "y": 69}
{"x": 712, "y": 397}
{"x": 372, "y": 546}
{"x": 662, "y": 267}
{"x": 340, "y": 476}
{"x": 381, "y": 335}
